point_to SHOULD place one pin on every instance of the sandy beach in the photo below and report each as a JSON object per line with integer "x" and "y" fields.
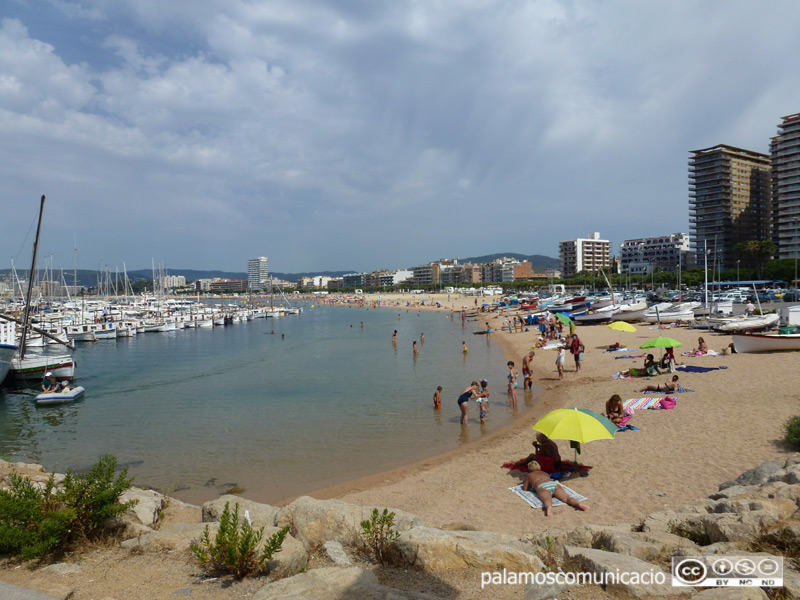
{"x": 731, "y": 422}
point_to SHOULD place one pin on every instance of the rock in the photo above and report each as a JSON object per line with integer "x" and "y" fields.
{"x": 292, "y": 558}
{"x": 126, "y": 529}
{"x": 351, "y": 583}
{"x": 793, "y": 459}
{"x": 755, "y": 476}
{"x": 599, "y": 561}
{"x": 749, "y": 593}
{"x": 730, "y": 492}
{"x": 335, "y": 552}
{"x": 627, "y": 544}
{"x": 666, "y": 520}
{"x": 435, "y": 550}
{"x": 315, "y": 522}
{"x": 545, "y": 592}
{"x": 177, "y": 536}
{"x": 63, "y": 568}
{"x": 148, "y": 508}
{"x": 261, "y": 515}
{"x": 554, "y": 541}
{"x": 458, "y": 526}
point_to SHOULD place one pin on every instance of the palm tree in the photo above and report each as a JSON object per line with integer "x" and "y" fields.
{"x": 758, "y": 252}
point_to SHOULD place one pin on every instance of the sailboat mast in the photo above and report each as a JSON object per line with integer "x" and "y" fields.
{"x": 30, "y": 284}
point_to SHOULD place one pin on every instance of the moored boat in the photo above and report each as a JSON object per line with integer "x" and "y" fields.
{"x": 55, "y": 398}
{"x": 743, "y": 323}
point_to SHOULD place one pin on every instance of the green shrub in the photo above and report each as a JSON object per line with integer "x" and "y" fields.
{"x": 234, "y": 549}
{"x": 792, "y": 436}
{"x": 35, "y": 521}
{"x": 379, "y": 535}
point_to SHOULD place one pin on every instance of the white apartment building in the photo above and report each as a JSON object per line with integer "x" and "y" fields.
{"x": 257, "y": 273}
{"x": 584, "y": 254}
{"x": 643, "y": 255}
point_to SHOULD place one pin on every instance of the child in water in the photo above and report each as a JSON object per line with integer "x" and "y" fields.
{"x": 483, "y": 400}
{"x": 464, "y": 346}
{"x": 437, "y": 398}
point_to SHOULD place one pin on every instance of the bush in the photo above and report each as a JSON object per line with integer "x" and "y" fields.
{"x": 235, "y": 547}
{"x": 36, "y": 521}
{"x": 379, "y": 535}
{"x": 792, "y": 436}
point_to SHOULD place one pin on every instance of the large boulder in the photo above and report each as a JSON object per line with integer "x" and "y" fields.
{"x": 755, "y": 476}
{"x": 748, "y": 593}
{"x": 601, "y": 562}
{"x": 148, "y": 508}
{"x": 435, "y": 550}
{"x": 261, "y": 515}
{"x": 315, "y": 522}
{"x": 350, "y": 583}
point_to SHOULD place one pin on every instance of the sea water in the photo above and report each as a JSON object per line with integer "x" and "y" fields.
{"x": 276, "y": 407}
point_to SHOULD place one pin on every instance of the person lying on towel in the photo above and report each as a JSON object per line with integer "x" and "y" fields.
{"x": 540, "y": 483}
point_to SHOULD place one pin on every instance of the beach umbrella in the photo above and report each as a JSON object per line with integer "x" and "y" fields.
{"x": 563, "y": 318}
{"x": 661, "y": 342}
{"x": 621, "y": 326}
{"x": 576, "y": 424}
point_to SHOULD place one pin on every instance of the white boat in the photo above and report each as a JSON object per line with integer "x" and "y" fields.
{"x": 80, "y": 333}
{"x": 34, "y": 366}
{"x": 601, "y": 315}
{"x": 155, "y": 326}
{"x": 673, "y": 313}
{"x": 8, "y": 347}
{"x": 105, "y": 331}
{"x": 204, "y": 323}
{"x": 54, "y": 398}
{"x": 747, "y": 343}
{"x": 743, "y": 322}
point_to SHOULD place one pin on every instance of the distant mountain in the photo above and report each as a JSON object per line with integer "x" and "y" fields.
{"x": 538, "y": 261}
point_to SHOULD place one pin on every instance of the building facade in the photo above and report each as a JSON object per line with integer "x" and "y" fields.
{"x": 257, "y": 273}
{"x": 729, "y": 201}
{"x": 665, "y": 252}
{"x": 785, "y": 161}
{"x": 584, "y": 254}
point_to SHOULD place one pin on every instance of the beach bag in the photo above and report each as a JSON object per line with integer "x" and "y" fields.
{"x": 667, "y": 403}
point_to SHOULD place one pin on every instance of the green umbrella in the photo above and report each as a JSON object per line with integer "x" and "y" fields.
{"x": 563, "y": 318}
{"x": 661, "y": 342}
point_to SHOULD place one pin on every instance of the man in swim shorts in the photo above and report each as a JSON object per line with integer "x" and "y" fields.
{"x": 527, "y": 382}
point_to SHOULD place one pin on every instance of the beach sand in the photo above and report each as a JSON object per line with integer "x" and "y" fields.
{"x": 733, "y": 421}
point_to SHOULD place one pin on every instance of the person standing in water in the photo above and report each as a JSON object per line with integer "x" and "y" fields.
{"x": 437, "y": 398}
{"x": 394, "y": 337}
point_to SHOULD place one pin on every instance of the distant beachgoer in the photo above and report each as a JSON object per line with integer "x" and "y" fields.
{"x": 650, "y": 366}
{"x": 527, "y": 382}
{"x": 283, "y": 336}
{"x": 421, "y": 338}
{"x": 512, "y": 382}
{"x": 577, "y": 348}
{"x": 49, "y": 383}
{"x": 414, "y": 347}
{"x": 540, "y": 483}
{"x": 750, "y": 308}
{"x": 484, "y": 399}
{"x": 667, "y": 386}
{"x": 464, "y": 347}
{"x": 560, "y": 360}
{"x": 437, "y": 398}
{"x": 362, "y": 324}
{"x": 394, "y": 336}
{"x": 463, "y": 400}
{"x": 614, "y": 409}
{"x": 702, "y": 347}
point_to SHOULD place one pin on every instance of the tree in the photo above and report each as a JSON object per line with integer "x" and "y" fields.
{"x": 757, "y": 251}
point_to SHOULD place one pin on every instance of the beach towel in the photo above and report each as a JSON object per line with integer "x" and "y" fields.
{"x": 709, "y": 353}
{"x": 681, "y": 390}
{"x": 696, "y": 369}
{"x": 640, "y": 403}
{"x": 620, "y": 350}
{"x": 630, "y": 356}
{"x": 532, "y": 499}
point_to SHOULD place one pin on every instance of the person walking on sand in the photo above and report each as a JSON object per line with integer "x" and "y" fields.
{"x": 576, "y": 348}
{"x": 437, "y": 398}
{"x": 527, "y": 376}
{"x": 540, "y": 483}
{"x": 463, "y": 400}
{"x": 512, "y": 382}
{"x": 560, "y": 359}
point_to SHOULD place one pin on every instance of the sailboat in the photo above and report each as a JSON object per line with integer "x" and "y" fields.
{"x": 34, "y": 366}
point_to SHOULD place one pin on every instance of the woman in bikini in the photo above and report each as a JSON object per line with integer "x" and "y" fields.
{"x": 666, "y": 387}
{"x": 540, "y": 483}
{"x": 614, "y": 410}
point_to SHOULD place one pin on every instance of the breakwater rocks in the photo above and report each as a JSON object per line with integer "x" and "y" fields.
{"x": 754, "y": 515}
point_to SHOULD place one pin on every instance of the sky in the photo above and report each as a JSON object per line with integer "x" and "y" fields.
{"x": 368, "y": 134}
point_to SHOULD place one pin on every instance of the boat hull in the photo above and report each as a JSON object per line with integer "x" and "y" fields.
{"x": 33, "y": 367}
{"x": 7, "y": 352}
{"x": 748, "y": 343}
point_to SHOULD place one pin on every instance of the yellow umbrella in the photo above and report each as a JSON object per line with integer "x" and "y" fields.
{"x": 576, "y": 424}
{"x": 621, "y": 326}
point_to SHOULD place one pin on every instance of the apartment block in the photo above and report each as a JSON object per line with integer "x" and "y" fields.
{"x": 785, "y": 161}
{"x": 665, "y": 252}
{"x": 584, "y": 254}
{"x": 729, "y": 201}
{"x": 257, "y": 273}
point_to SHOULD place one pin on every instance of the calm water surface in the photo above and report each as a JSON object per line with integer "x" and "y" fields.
{"x": 196, "y": 411}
